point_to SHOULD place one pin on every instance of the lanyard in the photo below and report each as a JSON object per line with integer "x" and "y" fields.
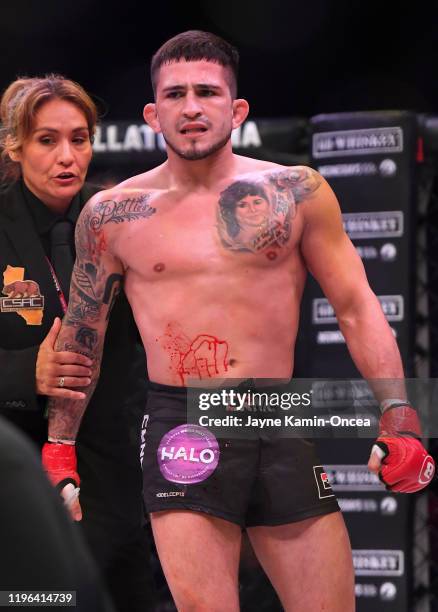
{"x": 59, "y": 291}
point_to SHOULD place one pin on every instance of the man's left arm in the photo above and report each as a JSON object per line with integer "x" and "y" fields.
{"x": 398, "y": 455}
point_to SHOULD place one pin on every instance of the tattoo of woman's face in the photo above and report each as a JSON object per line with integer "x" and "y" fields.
{"x": 256, "y": 215}
{"x": 250, "y": 219}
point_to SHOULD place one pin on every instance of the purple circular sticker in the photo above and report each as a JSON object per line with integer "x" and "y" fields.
{"x": 188, "y": 454}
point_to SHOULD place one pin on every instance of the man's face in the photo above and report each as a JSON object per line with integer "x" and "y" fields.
{"x": 252, "y": 211}
{"x": 194, "y": 107}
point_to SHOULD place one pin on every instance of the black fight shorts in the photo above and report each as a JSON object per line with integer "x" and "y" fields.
{"x": 256, "y": 482}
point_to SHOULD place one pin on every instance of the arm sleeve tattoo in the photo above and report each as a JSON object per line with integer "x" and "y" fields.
{"x": 95, "y": 284}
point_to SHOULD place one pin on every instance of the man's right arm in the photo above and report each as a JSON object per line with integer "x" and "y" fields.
{"x": 96, "y": 281}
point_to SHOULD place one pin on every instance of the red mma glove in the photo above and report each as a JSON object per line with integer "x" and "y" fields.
{"x": 398, "y": 456}
{"x": 59, "y": 461}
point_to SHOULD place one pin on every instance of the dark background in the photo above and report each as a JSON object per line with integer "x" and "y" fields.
{"x": 297, "y": 57}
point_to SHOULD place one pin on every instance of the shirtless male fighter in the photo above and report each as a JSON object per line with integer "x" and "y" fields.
{"x": 213, "y": 250}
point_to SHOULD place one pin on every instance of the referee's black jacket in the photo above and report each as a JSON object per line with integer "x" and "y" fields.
{"x": 107, "y": 441}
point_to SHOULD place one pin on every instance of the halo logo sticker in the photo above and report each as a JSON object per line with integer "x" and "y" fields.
{"x": 188, "y": 454}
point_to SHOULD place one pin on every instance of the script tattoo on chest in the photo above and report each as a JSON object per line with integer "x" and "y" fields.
{"x": 255, "y": 215}
{"x": 111, "y": 211}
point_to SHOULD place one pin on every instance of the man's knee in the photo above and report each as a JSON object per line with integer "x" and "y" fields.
{"x": 195, "y": 598}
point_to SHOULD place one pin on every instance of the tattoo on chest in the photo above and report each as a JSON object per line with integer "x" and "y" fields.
{"x": 256, "y": 215}
{"x": 206, "y": 356}
{"x": 111, "y": 211}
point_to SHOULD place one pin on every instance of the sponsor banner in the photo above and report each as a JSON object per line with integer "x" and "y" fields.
{"x": 342, "y": 393}
{"x": 357, "y": 142}
{"x": 386, "y": 591}
{"x": 353, "y": 478}
{"x": 375, "y": 224}
{"x": 392, "y": 306}
{"x": 357, "y": 504}
{"x": 386, "y": 506}
{"x": 330, "y": 337}
{"x": 123, "y": 149}
{"x": 322, "y": 312}
{"x": 336, "y": 337}
{"x": 379, "y": 562}
{"x": 128, "y": 138}
{"x": 386, "y": 253}
{"x": 369, "y": 160}
{"x": 352, "y": 169}
{"x": 386, "y": 168}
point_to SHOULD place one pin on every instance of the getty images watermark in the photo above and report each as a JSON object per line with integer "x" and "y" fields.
{"x": 305, "y": 407}
{"x": 248, "y": 402}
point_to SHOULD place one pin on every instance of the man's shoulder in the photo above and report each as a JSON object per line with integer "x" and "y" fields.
{"x": 137, "y": 186}
{"x": 262, "y": 168}
{"x": 153, "y": 180}
{"x": 251, "y": 166}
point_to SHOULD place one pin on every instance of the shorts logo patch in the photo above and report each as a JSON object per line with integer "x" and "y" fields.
{"x": 144, "y": 425}
{"x": 22, "y": 296}
{"x": 188, "y": 454}
{"x": 322, "y": 482}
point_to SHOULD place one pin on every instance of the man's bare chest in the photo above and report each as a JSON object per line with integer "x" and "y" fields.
{"x": 252, "y": 221}
{"x": 192, "y": 237}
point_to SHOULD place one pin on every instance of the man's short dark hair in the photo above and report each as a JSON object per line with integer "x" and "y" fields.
{"x": 196, "y": 45}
